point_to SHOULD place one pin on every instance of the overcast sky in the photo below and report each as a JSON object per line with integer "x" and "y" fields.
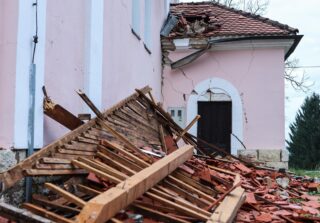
{"x": 304, "y": 15}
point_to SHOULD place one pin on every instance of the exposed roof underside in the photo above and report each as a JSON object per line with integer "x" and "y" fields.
{"x": 208, "y": 19}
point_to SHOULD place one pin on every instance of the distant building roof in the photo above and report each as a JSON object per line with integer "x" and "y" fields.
{"x": 208, "y": 19}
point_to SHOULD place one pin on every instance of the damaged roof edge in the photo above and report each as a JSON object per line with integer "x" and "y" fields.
{"x": 186, "y": 43}
{"x": 246, "y": 14}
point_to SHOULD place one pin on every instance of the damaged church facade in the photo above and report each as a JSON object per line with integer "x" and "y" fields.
{"x": 228, "y": 66}
{"x": 223, "y": 64}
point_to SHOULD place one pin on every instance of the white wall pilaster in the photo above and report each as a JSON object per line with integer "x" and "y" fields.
{"x": 94, "y": 51}
{"x": 26, "y": 31}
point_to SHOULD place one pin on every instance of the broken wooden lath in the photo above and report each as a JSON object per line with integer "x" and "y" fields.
{"x": 126, "y": 165}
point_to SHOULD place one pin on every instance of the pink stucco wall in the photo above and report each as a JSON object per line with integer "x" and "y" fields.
{"x": 258, "y": 77}
{"x": 8, "y": 43}
{"x": 64, "y": 59}
{"x": 126, "y": 63}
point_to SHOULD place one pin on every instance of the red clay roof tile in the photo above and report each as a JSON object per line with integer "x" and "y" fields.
{"x": 207, "y": 19}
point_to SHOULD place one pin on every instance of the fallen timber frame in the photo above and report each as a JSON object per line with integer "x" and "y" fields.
{"x": 16, "y": 173}
{"x": 106, "y": 205}
{"x": 108, "y": 148}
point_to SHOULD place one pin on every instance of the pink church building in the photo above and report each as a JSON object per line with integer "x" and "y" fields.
{"x": 205, "y": 58}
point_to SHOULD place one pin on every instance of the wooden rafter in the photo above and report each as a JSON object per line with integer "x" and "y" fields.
{"x": 106, "y": 205}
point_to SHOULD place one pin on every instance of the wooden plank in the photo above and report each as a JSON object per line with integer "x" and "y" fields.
{"x": 190, "y": 188}
{"x": 107, "y": 204}
{"x": 75, "y": 152}
{"x": 178, "y": 207}
{"x": 70, "y": 156}
{"x": 63, "y": 193}
{"x": 187, "y": 195}
{"x": 119, "y": 136}
{"x": 181, "y": 202}
{"x": 188, "y": 127}
{"x": 45, "y": 213}
{"x": 222, "y": 170}
{"x": 88, "y": 190}
{"x": 163, "y": 142}
{"x": 61, "y": 115}
{"x": 117, "y": 147}
{"x": 20, "y": 215}
{"x": 75, "y": 146}
{"x": 50, "y": 160}
{"x": 36, "y": 172}
{"x": 194, "y": 183}
{"x": 157, "y": 215}
{"x": 43, "y": 166}
{"x": 113, "y": 162}
{"x": 96, "y": 171}
{"x": 120, "y": 158}
{"x": 228, "y": 208}
{"x": 51, "y": 204}
{"x": 103, "y": 167}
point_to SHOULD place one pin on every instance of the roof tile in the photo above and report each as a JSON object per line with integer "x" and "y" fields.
{"x": 208, "y": 19}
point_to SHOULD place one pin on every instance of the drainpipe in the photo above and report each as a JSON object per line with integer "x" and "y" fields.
{"x": 32, "y": 83}
{"x": 31, "y": 110}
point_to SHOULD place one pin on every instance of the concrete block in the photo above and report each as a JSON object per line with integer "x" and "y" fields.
{"x": 269, "y": 155}
{"x": 277, "y": 165}
{"x": 284, "y": 155}
{"x": 7, "y": 159}
{"x": 248, "y": 154}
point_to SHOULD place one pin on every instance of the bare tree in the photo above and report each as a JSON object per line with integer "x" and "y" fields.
{"x": 299, "y": 83}
{"x": 257, "y": 7}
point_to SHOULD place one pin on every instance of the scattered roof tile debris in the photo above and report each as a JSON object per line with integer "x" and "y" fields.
{"x": 112, "y": 178}
{"x": 209, "y": 19}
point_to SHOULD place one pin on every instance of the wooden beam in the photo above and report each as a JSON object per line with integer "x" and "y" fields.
{"x": 45, "y": 213}
{"x": 157, "y": 215}
{"x": 120, "y": 149}
{"x": 16, "y": 173}
{"x": 178, "y": 207}
{"x": 163, "y": 142}
{"x": 101, "y": 119}
{"x": 106, "y": 205}
{"x": 88, "y": 190}
{"x": 70, "y": 197}
{"x": 113, "y": 162}
{"x": 228, "y": 208}
{"x": 20, "y": 215}
{"x": 61, "y": 115}
{"x": 120, "y": 158}
{"x": 36, "y": 172}
{"x": 188, "y": 127}
{"x": 96, "y": 171}
{"x": 60, "y": 207}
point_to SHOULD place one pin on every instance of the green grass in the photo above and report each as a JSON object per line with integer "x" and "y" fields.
{"x": 310, "y": 173}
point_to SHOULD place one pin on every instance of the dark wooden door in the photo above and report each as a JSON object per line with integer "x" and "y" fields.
{"x": 215, "y": 125}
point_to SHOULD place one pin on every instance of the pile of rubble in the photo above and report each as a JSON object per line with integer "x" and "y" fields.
{"x": 134, "y": 164}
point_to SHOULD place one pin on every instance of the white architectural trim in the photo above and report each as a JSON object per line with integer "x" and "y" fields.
{"x": 237, "y": 110}
{"x": 286, "y": 44}
{"x": 181, "y": 43}
{"x": 148, "y": 24}
{"x": 94, "y": 52}
{"x": 26, "y": 31}
{"x": 135, "y": 23}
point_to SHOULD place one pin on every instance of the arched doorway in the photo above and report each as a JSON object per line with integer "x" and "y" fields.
{"x": 220, "y": 105}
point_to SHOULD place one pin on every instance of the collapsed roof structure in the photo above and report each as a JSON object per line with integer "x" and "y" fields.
{"x": 126, "y": 165}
